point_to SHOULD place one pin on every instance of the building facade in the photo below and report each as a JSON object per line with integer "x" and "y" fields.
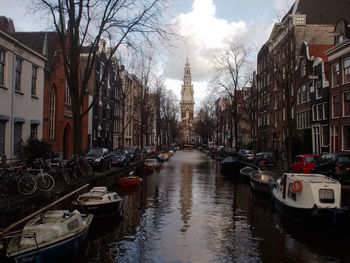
{"x": 284, "y": 76}
{"x": 339, "y": 91}
{"x": 21, "y": 92}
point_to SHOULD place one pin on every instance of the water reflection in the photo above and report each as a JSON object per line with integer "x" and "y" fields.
{"x": 188, "y": 212}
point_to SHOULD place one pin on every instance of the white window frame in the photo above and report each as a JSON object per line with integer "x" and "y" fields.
{"x": 344, "y": 60}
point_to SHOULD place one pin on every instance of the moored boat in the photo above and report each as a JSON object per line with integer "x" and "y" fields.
{"x": 152, "y": 163}
{"x": 50, "y": 236}
{"x": 131, "y": 180}
{"x": 231, "y": 167}
{"x": 99, "y": 202}
{"x": 312, "y": 199}
{"x": 246, "y": 171}
{"x": 262, "y": 181}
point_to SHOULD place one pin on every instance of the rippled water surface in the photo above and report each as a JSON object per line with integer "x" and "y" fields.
{"x": 189, "y": 212}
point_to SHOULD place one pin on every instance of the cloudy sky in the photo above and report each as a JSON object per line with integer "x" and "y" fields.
{"x": 207, "y": 25}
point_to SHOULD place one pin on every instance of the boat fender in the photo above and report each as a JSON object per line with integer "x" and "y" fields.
{"x": 297, "y": 186}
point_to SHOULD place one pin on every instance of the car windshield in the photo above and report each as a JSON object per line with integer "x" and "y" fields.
{"x": 344, "y": 159}
{"x": 327, "y": 157}
{"x": 312, "y": 159}
{"x": 150, "y": 161}
{"x": 130, "y": 150}
{"x": 117, "y": 152}
{"x": 95, "y": 152}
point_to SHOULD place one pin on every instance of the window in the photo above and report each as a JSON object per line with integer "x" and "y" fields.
{"x": 335, "y": 75}
{"x": 315, "y": 142}
{"x": 326, "y": 196}
{"x": 52, "y": 109}
{"x": 314, "y": 113}
{"x": 334, "y": 139}
{"x": 303, "y": 94}
{"x": 17, "y": 137}
{"x": 346, "y": 69}
{"x": 283, "y": 72}
{"x": 67, "y": 97}
{"x": 2, "y": 67}
{"x": 347, "y": 103}
{"x": 302, "y": 68}
{"x": 34, "y": 78}
{"x": 318, "y": 89}
{"x": 298, "y": 97}
{"x": 324, "y": 111}
{"x": 2, "y": 137}
{"x": 300, "y": 20}
{"x": 336, "y": 105}
{"x": 18, "y": 72}
{"x": 291, "y": 193}
{"x": 346, "y": 137}
{"x": 325, "y": 136}
{"x": 304, "y": 120}
{"x": 34, "y": 131}
{"x": 319, "y": 111}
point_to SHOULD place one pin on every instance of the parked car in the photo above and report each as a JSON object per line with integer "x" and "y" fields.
{"x": 120, "y": 158}
{"x": 265, "y": 159}
{"x": 99, "y": 158}
{"x": 335, "y": 165}
{"x": 249, "y": 155}
{"x": 304, "y": 163}
{"x": 133, "y": 152}
{"x": 246, "y": 155}
{"x": 148, "y": 149}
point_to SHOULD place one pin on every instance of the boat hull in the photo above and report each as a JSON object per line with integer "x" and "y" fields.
{"x": 55, "y": 251}
{"x": 99, "y": 210}
{"x": 315, "y": 216}
{"x": 260, "y": 187}
{"x": 129, "y": 182}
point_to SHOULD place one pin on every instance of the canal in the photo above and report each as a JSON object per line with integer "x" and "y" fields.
{"x": 189, "y": 212}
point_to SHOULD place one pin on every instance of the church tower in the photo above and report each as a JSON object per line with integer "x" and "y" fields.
{"x": 187, "y": 105}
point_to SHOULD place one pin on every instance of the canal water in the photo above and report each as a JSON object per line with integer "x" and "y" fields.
{"x": 189, "y": 212}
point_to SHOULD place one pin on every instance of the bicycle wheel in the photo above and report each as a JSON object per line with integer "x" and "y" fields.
{"x": 45, "y": 182}
{"x": 66, "y": 176}
{"x": 26, "y": 185}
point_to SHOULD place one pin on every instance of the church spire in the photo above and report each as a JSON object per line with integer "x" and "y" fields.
{"x": 187, "y": 75}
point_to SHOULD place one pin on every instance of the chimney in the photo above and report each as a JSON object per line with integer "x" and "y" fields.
{"x": 6, "y": 24}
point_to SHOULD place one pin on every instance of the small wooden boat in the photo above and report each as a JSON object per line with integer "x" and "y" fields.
{"x": 262, "y": 181}
{"x": 246, "y": 171}
{"x": 311, "y": 199}
{"x": 50, "y": 236}
{"x": 99, "y": 202}
{"x": 131, "y": 180}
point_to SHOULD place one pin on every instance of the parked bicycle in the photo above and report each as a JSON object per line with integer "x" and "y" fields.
{"x": 78, "y": 166}
{"x": 15, "y": 178}
{"x": 43, "y": 181}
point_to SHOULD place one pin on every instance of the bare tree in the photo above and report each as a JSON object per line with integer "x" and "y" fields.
{"x": 232, "y": 75}
{"x": 122, "y": 22}
{"x": 205, "y": 124}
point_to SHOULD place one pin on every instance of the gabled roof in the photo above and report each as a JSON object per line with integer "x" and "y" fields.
{"x": 42, "y": 42}
{"x": 321, "y": 11}
{"x": 317, "y": 51}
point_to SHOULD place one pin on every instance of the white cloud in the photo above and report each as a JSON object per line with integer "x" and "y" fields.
{"x": 204, "y": 33}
